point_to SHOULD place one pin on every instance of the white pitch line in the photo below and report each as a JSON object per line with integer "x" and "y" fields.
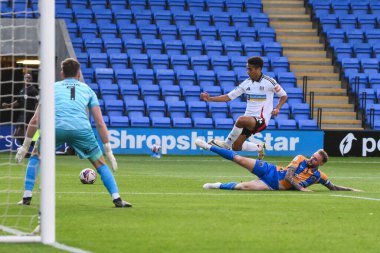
{"x": 68, "y": 248}
{"x": 355, "y": 197}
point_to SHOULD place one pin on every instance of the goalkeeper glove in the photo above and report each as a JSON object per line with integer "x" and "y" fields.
{"x": 23, "y": 150}
{"x": 110, "y": 156}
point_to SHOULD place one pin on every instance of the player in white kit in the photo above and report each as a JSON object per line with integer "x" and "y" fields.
{"x": 259, "y": 90}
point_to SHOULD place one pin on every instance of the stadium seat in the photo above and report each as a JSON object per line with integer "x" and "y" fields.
{"x": 93, "y": 45}
{"x": 124, "y": 76}
{"x": 347, "y": 22}
{"x": 137, "y": 5}
{"x": 193, "y": 47}
{"x": 182, "y": 122}
{"x": 134, "y": 106}
{"x": 176, "y": 109}
{"x": 148, "y": 32}
{"x": 340, "y": 7}
{"x": 144, "y": 76}
{"x": 168, "y": 32}
{"x": 239, "y": 63}
{"x": 203, "y": 123}
{"x": 213, "y": 48}
{"x": 139, "y": 61}
{"x": 143, "y": 17}
{"x": 161, "y": 122}
{"x": 342, "y": 50}
{"x": 182, "y": 18}
{"x": 200, "y": 62}
{"x": 98, "y": 60}
{"x": 307, "y": 124}
{"x": 367, "y": 22}
{"x": 373, "y": 36}
{"x": 159, "y": 61}
{"x": 162, "y": 17}
{"x": 300, "y": 110}
{"x": 357, "y": 81}
{"x": 362, "y": 50}
{"x": 234, "y": 6}
{"x": 260, "y": 20}
{"x": 197, "y": 109}
{"x": 150, "y": 92}
{"x": 271, "y": 125}
{"x": 266, "y": 34}
{"x": 109, "y": 91}
{"x": 176, "y": 5}
{"x": 157, "y": 5}
{"x": 207, "y": 33}
{"x": 369, "y": 65}
{"x": 212, "y": 90}
{"x": 272, "y": 49}
{"x": 237, "y": 109}
{"x": 335, "y": 36}
{"x": 253, "y": 48}
{"x": 171, "y": 92}
{"x": 196, "y": 6}
{"x": 139, "y": 121}
{"x": 114, "y": 107}
{"x": 227, "y": 33}
{"x": 247, "y": 34}
{"x": 220, "y": 63}
{"x": 233, "y": 48}
{"x": 359, "y": 7}
{"x": 253, "y": 6}
{"x": 185, "y": 77}
{"x": 88, "y": 74}
{"x": 221, "y": 19}
{"x": 223, "y": 123}
{"x": 113, "y": 45}
{"x": 173, "y": 47}
{"x": 165, "y": 76}
{"x": 129, "y": 89}
{"x": 295, "y": 95}
{"x": 226, "y": 78}
{"x": 127, "y": 31}
{"x": 153, "y": 46}
{"x": 218, "y": 109}
{"x": 104, "y": 75}
{"x": 108, "y": 30}
{"x": 374, "y": 80}
{"x": 122, "y": 16}
{"x": 287, "y": 124}
{"x": 202, "y": 18}
{"x": 350, "y": 65}
{"x": 287, "y": 79}
{"x": 133, "y": 46}
{"x": 205, "y": 77}
{"x": 155, "y": 108}
{"x": 118, "y": 121}
{"x": 191, "y": 93}
{"x": 280, "y": 64}
{"x": 188, "y": 33}
{"x": 180, "y": 62}
{"x": 328, "y": 22}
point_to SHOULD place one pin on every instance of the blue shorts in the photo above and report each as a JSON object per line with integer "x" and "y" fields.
{"x": 83, "y": 141}
{"x": 267, "y": 172}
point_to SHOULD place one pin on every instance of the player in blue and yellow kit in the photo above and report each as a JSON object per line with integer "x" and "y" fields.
{"x": 73, "y": 100}
{"x": 298, "y": 175}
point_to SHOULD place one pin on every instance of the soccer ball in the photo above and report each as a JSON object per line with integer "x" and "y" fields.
{"x": 156, "y": 148}
{"x": 87, "y": 176}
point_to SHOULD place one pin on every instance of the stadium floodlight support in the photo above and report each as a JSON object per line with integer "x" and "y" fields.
{"x": 47, "y": 126}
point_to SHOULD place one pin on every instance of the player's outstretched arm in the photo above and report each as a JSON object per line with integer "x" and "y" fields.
{"x": 206, "y": 97}
{"x": 290, "y": 178}
{"x": 334, "y": 187}
{"x": 30, "y": 131}
{"x": 103, "y": 133}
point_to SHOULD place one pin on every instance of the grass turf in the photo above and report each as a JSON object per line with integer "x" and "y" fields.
{"x": 172, "y": 213}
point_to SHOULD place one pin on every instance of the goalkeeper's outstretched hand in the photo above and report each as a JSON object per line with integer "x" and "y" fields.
{"x": 110, "y": 156}
{"x": 23, "y": 150}
{"x": 21, "y": 153}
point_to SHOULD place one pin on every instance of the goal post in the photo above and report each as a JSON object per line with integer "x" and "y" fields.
{"x": 14, "y": 232}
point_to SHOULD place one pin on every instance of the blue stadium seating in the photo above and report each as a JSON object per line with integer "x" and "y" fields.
{"x": 185, "y": 77}
{"x": 206, "y": 77}
{"x": 153, "y": 46}
{"x": 200, "y": 62}
{"x": 148, "y": 32}
{"x": 118, "y": 121}
{"x": 287, "y": 124}
{"x": 196, "y": 6}
{"x": 161, "y": 122}
{"x": 220, "y": 63}
{"x": 203, "y": 123}
{"x": 193, "y": 47}
{"x": 180, "y": 62}
{"x": 157, "y": 5}
{"x": 139, "y": 61}
{"x": 253, "y": 48}
{"x": 139, "y": 121}
{"x": 98, "y": 60}
{"x": 227, "y": 33}
{"x": 247, "y": 34}
{"x": 223, "y": 123}
{"x": 114, "y": 107}
{"x": 124, "y": 76}
{"x": 104, "y": 75}
{"x": 213, "y": 48}
{"x": 182, "y": 122}
{"x": 176, "y": 109}
{"x": 221, "y": 19}
{"x": 144, "y": 76}
{"x": 174, "y": 47}
{"x": 202, "y": 19}
{"x": 133, "y": 46}
{"x": 168, "y": 33}
{"x": 307, "y": 124}
{"x": 188, "y": 33}
{"x": 159, "y": 61}
{"x": 162, "y": 18}
{"x": 212, "y": 90}
{"x": 226, "y": 78}
{"x": 109, "y": 91}
{"x": 272, "y": 49}
{"x": 300, "y": 110}
{"x": 165, "y": 76}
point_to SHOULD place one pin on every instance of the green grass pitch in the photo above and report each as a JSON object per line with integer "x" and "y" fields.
{"x": 172, "y": 213}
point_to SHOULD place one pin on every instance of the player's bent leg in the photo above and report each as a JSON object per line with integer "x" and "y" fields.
{"x": 245, "y": 162}
{"x": 255, "y": 185}
{"x": 109, "y": 182}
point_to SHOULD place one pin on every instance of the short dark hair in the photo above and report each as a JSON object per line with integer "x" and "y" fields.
{"x": 325, "y": 156}
{"x": 70, "y": 67}
{"x": 256, "y": 61}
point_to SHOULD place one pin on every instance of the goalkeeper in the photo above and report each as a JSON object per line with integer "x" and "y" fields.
{"x": 72, "y": 101}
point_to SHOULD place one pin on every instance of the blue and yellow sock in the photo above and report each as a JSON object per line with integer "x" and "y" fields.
{"x": 228, "y": 186}
{"x": 108, "y": 179}
{"x": 225, "y": 153}
{"x": 31, "y": 173}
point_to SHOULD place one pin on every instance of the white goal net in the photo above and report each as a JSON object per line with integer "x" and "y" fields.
{"x": 24, "y": 43}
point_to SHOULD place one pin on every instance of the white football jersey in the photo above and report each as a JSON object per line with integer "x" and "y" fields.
{"x": 259, "y": 96}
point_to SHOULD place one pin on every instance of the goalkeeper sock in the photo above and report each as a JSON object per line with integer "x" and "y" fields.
{"x": 31, "y": 174}
{"x": 225, "y": 153}
{"x": 228, "y": 186}
{"x": 108, "y": 180}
